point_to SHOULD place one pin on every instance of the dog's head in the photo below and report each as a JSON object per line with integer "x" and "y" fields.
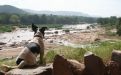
{"x": 38, "y": 31}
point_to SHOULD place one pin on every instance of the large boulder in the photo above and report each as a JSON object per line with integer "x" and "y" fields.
{"x": 94, "y": 64}
{"x": 62, "y": 66}
{"x": 115, "y": 64}
{"x": 45, "y": 70}
{"x": 114, "y": 68}
{"x": 116, "y": 56}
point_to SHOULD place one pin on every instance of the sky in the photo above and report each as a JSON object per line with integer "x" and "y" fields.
{"x": 103, "y": 8}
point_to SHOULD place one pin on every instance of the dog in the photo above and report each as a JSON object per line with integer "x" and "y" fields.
{"x": 27, "y": 57}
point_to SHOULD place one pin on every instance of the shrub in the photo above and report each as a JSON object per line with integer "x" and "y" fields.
{"x": 5, "y": 28}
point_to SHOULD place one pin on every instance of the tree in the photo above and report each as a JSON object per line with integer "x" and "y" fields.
{"x": 119, "y": 27}
{"x": 103, "y": 21}
{"x": 14, "y": 19}
{"x": 43, "y": 19}
{"x": 52, "y": 19}
{"x": 113, "y": 20}
{"x": 4, "y": 18}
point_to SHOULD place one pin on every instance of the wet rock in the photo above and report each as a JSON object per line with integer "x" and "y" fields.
{"x": 18, "y": 36}
{"x": 94, "y": 64}
{"x": 51, "y": 41}
{"x": 56, "y": 32}
{"x": 12, "y": 44}
{"x": 2, "y": 43}
{"x": 0, "y": 48}
{"x": 116, "y": 56}
{"x": 62, "y": 66}
{"x": 22, "y": 43}
{"x": 97, "y": 39}
{"x": 114, "y": 68}
{"x": 45, "y": 70}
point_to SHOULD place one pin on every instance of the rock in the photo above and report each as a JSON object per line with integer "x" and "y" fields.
{"x": 116, "y": 56}
{"x": 47, "y": 70}
{"x": 12, "y": 44}
{"x": 76, "y": 67}
{"x": 0, "y": 48}
{"x": 22, "y": 43}
{"x": 62, "y": 66}
{"x": 2, "y": 43}
{"x": 94, "y": 64}
{"x": 51, "y": 41}
{"x": 97, "y": 39}
{"x": 114, "y": 68}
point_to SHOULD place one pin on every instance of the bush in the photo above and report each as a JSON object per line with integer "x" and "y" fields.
{"x": 119, "y": 31}
{"x": 5, "y": 28}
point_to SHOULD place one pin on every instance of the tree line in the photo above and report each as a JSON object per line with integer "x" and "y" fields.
{"x": 43, "y": 19}
{"x": 112, "y": 21}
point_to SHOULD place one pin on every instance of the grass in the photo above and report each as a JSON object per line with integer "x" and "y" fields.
{"x": 5, "y": 28}
{"x": 67, "y": 52}
{"x": 104, "y": 49}
{"x": 7, "y": 62}
{"x": 109, "y": 33}
{"x": 101, "y": 49}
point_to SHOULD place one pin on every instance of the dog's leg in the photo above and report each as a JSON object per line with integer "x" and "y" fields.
{"x": 41, "y": 57}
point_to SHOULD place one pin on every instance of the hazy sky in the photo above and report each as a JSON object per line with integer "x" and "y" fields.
{"x": 91, "y": 7}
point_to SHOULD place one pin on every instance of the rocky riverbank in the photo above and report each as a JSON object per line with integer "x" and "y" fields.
{"x": 92, "y": 65}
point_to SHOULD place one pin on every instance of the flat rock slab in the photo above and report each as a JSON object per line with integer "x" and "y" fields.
{"x": 45, "y": 70}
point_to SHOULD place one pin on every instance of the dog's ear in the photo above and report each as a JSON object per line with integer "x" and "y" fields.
{"x": 34, "y": 28}
{"x": 42, "y": 30}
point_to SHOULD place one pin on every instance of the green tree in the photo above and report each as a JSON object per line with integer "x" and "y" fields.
{"x": 43, "y": 19}
{"x": 4, "y": 18}
{"x": 119, "y": 27}
{"x": 113, "y": 20}
{"x": 14, "y": 19}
